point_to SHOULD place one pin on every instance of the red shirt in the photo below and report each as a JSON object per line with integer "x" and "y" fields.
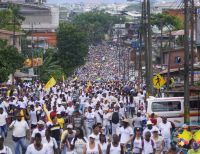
{"x": 154, "y": 121}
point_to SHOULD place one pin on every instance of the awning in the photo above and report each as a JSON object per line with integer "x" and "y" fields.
{"x": 23, "y": 75}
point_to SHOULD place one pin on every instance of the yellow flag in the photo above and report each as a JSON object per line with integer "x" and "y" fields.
{"x": 63, "y": 78}
{"x": 50, "y": 83}
{"x": 46, "y": 112}
{"x": 76, "y": 78}
{"x": 89, "y": 85}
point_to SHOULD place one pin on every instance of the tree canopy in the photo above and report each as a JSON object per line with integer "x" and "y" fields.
{"x": 72, "y": 47}
{"x": 50, "y": 66}
{"x": 163, "y": 19}
{"x": 96, "y": 24}
{"x": 10, "y": 60}
{"x": 10, "y": 18}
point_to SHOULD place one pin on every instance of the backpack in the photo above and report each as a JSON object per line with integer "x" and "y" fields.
{"x": 115, "y": 118}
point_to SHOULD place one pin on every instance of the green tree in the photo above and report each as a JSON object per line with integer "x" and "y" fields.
{"x": 10, "y": 60}
{"x": 5, "y": 19}
{"x": 72, "y": 47}
{"x": 10, "y": 18}
{"x": 163, "y": 19}
{"x": 96, "y": 24}
{"x": 50, "y": 67}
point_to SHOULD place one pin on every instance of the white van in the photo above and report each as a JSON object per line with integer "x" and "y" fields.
{"x": 173, "y": 109}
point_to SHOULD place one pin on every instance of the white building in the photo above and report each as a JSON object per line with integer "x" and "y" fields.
{"x": 40, "y": 17}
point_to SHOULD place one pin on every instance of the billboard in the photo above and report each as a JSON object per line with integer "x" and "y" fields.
{"x": 35, "y": 62}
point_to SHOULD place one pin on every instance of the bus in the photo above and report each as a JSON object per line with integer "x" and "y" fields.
{"x": 173, "y": 109}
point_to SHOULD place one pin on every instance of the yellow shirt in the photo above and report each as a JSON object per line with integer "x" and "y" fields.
{"x": 194, "y": 152}
{"x": 61, "y": 122}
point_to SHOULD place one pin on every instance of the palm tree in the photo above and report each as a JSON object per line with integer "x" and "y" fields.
{"x": 50, "y": 68}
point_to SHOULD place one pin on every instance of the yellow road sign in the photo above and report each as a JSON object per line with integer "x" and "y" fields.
{"x": 158, "y": 81}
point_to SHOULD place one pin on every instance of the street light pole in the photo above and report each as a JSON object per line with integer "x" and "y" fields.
{"x": 186, "y": 63}
{"x": 192, "y": 41}
{"x": 145, "y": 42}
{"x": 149, "y": 49}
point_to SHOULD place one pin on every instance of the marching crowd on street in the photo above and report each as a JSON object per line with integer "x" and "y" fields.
{"x": 84, "y": 117}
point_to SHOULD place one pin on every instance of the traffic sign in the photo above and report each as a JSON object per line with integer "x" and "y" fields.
{"x": 158, "y": 81}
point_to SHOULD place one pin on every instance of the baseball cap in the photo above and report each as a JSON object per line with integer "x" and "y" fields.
{"x": 149, "y": 122}
{"x": 92, "y": 136}
{"x": 58, "y": 112}
{"x": 69, "y": 126}
{"x": 40, "y": 122}
{"x": 155, "y": 129}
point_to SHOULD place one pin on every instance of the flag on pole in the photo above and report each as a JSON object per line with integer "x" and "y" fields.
{"x": 89, "y": 86}
{"x": 76, "y": 78}
{"x": 50, "y": 83}
{"x": 47, "y": 113}
{"x": 63, "y": 78}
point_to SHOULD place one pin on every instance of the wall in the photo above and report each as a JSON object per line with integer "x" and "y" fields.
{"x": 174, "y": 53}
{"x": 6, "y": 35}
{"x": 49, "y": 36}
{"x": 40, "y": 18}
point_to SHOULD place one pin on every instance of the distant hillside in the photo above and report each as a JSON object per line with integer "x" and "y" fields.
{"x": 133, "y": 7}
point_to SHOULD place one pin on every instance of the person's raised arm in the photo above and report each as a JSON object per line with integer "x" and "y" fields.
{"x": 84, "y": 149}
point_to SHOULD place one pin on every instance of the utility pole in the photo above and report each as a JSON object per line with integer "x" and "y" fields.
{"x": 192, "y": 41}
{"x": 150, "y": 90}
{"x": 169, "y": 56}
{"x": 145, "y": 42}
{"x": 14, "y": 26}
{"x": 161, "y": 44}
{"x": 186, "y": 64}
{"x": 141, "y": 30}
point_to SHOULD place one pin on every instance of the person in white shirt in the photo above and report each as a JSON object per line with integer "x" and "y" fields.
{"x": 78, "y": 142}
{"x": 70, "y": 111}
{"x": 137, "y": 141}
{"x": 33, "y": 117}
{"x": 148, "y": 144}
{"x": 40, "y": 129}
{"x": 92, "y": 147}
{"x": 89, "y": 120}
{"x": 98, "y": 114}
{"x": 165, "y": 128}
{"x": 103, "y": 144}
{"x": 105, "y": 105}
{"x": 158, "y": 141}
{"x": 37, "y": 147}
{"x": 60, "y": 107}
{"x": 125, "y": 134}
{"x": 20, "y": 130}
{"x": 4, "y": 149}
{"x": 50, "y": 142}
{"x": 106, "y": 121}
{"x": 122, "y": 110}
{"x": 3, "y": 125}
{"x": 115, "y": 147}
{"x": 149, "y": 128}
{"x": 82, "y": 99}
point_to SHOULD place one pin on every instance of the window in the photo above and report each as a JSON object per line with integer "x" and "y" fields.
{"x": 177, "y": 60}
{"x": 166, "y": 106}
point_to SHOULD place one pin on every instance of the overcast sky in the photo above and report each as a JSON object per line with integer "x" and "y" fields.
{"x": 90, "y": 1}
